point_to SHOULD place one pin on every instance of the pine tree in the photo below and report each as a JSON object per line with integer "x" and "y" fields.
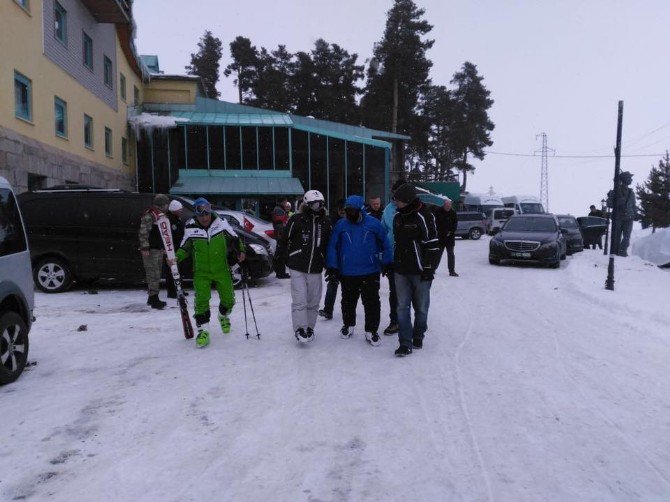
{"x": 438, "y": 109}
{"x": 472, "y": 126}
{"x": 245, "y": 61}
{"x": 399, "y": 73}
{"x": 270, "y": 88}
{"x": 205, "y": 63}
{"x": 654, "y": 195}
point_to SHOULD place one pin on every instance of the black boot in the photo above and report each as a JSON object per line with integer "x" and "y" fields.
{"x": 156, "y": 303}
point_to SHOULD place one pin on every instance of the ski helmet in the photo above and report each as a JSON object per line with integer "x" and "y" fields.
{"x": 313, "y": 196}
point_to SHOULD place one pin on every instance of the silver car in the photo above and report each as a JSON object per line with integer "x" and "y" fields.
{"x": 16, "y": 288}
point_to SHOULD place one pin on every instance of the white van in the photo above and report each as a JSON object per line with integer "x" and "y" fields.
{"x": 524, "y": 204}
{"x": 481, "y": 202}
{"x": 496, "y": 218}
{"x": 16, "y": 288}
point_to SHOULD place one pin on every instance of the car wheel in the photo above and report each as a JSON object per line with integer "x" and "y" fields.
{"x": 557, "y": 262}
{"x": 52, "y": 275}
{"x": 494, "y": 261}
{"x": 13, "y": 346}
{"x": 475, "y": 233}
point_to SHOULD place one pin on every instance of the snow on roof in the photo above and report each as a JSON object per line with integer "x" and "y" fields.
{"x": 150, "y": 121}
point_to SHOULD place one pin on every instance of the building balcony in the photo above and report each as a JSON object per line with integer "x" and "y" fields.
{"x": 109, "y": 11}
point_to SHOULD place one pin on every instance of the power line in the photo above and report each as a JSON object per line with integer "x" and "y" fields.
{"x": 575, "y": 156}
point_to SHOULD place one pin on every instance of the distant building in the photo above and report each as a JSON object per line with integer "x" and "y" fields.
{"x": 69, "y": 74}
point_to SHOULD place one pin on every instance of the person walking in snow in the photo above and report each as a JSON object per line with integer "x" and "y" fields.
{"x": 280, "y": 217}
{"x": 207, "y": 238}
{"x": 446, "y": 221}
{"x": 354, "y": 252}
{"x": 303, "y": 244}
{"x": 151, "y": 248}
{"x": 332, "y": 283}
{"x": 415, "y": 257}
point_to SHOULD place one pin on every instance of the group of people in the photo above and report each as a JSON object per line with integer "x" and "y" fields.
{"x": 355, "y": 247}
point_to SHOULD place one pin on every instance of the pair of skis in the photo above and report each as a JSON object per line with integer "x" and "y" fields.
{"x": 166, "y": 234}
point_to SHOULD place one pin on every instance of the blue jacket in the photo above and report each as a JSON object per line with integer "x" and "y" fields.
{"x": 355, "y": 248}
{"x": 387, "y": 220}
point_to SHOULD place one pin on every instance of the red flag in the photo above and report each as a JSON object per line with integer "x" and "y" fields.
{"x": 248, "y": 226}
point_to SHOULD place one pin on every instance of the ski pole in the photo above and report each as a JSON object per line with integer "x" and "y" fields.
{"x": 251, "y": 305}
{"x": 244, "y": 305}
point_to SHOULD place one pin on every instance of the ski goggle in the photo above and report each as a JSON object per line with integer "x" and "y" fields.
{"x": 202, "y": 209}
{"x": 315, "y": 205}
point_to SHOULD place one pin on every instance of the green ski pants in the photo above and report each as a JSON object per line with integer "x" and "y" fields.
{"x": 203, "y": 292}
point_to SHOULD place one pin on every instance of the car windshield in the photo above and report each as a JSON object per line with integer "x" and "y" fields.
{"x": 520, "y": 224}
{"x": 504, "y": 214}
{"x": 532, "y": 208}
{"x": 567, "y": 222}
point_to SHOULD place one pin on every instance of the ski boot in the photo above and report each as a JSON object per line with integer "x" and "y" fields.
{"x": 156, "y": 303}
{"x": 301, "y": 335}
{"x": 202, "y": 339}
{"x": 373, "y": 338}
{"x": 224, "y": 321}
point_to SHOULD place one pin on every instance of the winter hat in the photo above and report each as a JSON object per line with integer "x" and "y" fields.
{"x": 398, "y": 184}
{"x": 405, "y": 193}
{"x": 354, "y": 202}
{"x": 175, "y": 206}
{"x": 202, "y": 206}
{"x": 161, "y": 200}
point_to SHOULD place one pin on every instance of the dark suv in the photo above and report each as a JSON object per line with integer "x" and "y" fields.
{"x": 471, "y": 224}
{"x": 87, "y": 234}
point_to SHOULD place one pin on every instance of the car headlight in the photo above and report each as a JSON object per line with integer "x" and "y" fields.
{"x": 258, "y": 249}
{"x": 549, "y": 245}
{"x": 496, "y": 243}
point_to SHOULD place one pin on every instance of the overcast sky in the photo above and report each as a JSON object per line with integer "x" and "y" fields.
{"x": 558, "y": 67}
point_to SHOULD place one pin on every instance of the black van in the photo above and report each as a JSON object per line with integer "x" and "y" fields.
{"x": 85, "y": 234}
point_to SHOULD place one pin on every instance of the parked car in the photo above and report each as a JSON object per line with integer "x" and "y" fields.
{"x": 573, "y": 237}
{"x": 82, "y": 235}
{"x": 593, "y": 228}
{"x": 496, "y": 218}
{"x": 16, "y": 288}
{"x": 471, "y": 224}
{"x": 534, "y": 238}
{"x": 261, "y": 228}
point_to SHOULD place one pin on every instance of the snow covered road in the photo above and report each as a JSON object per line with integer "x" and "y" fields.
{"x": 533, "y": 384}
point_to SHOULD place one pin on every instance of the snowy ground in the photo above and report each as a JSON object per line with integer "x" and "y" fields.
{"x": 534, "y": 384}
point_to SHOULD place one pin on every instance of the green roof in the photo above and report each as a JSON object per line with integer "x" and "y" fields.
{"x": 233, "y": 119}
{"x": 242, "y": 185}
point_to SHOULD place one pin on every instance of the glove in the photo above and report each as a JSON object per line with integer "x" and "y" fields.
{"x": 427, "y": 275}
{"x": 332, "y": 274}
{"x": 387, "y": 269}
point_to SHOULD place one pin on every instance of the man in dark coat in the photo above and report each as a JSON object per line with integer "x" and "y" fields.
{"x": 374, "y": 207}
{"x": 279, "y": 219}
{"x": 446, "y": 221}
{"x": 417, "y": 251}
{"x": 333, "y": 282}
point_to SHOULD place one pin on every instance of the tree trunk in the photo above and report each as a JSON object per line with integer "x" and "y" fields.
{"x": 465, "y": 171}
{"x": 239, "y": 86}
{"x": 394, "y": 123}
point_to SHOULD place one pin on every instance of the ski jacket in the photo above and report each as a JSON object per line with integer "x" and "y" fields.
{"x": 446, "y": 223}
{"x": 177, "y": 227}
{"x": 149, "y": 235}
{"x": 416, "y": 244}
{"x": 304, "y": 241}
{"x": 387, "y": 220}
{"x": 354, "y": 248}
{"x": 209, "y": 246}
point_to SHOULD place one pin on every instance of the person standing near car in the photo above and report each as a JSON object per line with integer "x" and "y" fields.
{"x": 207, "y": 239}
{"x": 174, "y": 215}
{"x": 332, "y": 282}
{"x": 354, "y": 256}
{"x": 446, "y": 221}
{"x": 152, "y": 250}
{"x": 279, "y": 220}
{"x": 304, "y": 243}
{"x": 416, "y": 254}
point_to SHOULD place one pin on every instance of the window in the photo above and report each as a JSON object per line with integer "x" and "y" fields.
{"x": 122, "y": 86}
{"x": 60, "y": 116}
{"x": 25, "y": 4}
{"x": 108, "y": 142}
{"x": 23, "y": 96}
{"x": 88, "y": 131}
{"x": 60, "y": 23}
{"x": 108, "y": 72}
{"x": 12, "y": 236}
{"x": 136, "y": 95}
{"x": 87, "y": 47}
{"x": 124, "y": 150}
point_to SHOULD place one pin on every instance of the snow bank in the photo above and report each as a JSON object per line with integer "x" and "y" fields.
{"x": 654, "y": 248}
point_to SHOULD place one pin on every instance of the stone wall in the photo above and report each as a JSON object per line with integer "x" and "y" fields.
{"x": 20, "y": 155}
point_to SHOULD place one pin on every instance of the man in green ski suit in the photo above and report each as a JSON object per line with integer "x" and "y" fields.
{"x": 206, "y": 239}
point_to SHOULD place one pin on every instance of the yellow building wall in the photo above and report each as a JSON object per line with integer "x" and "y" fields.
{"x": 170, "y": 91}
{"x": 21, "y": 49}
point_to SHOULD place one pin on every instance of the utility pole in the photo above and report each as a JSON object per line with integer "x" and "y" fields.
{"x": 544, "y": 172}
{"x": 614, "y": 243}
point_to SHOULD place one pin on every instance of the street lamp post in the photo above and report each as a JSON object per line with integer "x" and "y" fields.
{"x": 614, "y": 245}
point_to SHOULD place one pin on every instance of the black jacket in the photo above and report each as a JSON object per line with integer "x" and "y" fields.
{"x": 446, "y": 222}
{"x": 177, "y": 227}
{"x": 416, "y": 244}
{"x": 305, "y": 241}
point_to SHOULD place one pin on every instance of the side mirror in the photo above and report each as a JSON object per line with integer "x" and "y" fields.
{"x": 495, "y": 231}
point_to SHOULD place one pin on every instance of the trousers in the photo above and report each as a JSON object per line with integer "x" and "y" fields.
{"x": 367, "y": 287}
{"x": 305, "y": 298}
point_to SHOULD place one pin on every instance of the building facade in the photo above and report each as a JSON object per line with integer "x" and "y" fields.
{"x": 69, "y": 76}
